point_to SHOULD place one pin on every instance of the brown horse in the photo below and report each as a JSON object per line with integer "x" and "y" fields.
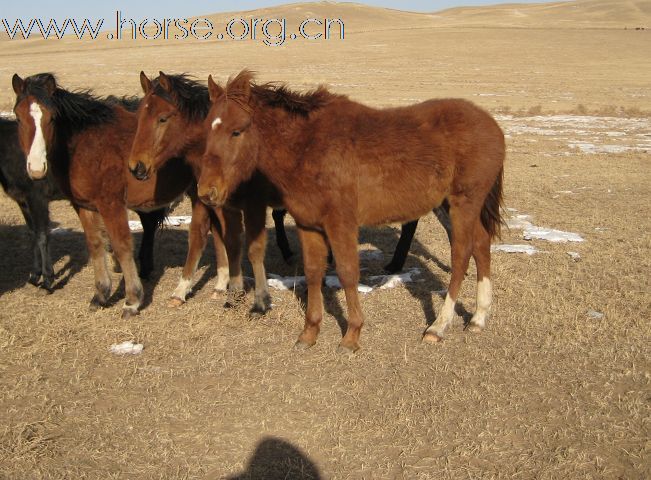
{"x": 340, "y": 164}
{"x": 170, "y": 124}
{"x": 86, "y": 140}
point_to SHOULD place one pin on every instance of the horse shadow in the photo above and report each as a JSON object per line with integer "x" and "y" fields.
{"x": 17, "y": 254}
{"x": 276, "y": 459}
{"x": 427, "y": 283}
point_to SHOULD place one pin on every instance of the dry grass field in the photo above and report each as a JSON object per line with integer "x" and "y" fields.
{"x": 559, "y": 384}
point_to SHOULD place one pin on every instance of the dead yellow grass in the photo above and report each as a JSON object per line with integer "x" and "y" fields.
{"x": 545, "y": 392}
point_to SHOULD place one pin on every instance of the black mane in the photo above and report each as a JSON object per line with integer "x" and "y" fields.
{"x": 78, "y": 109}
{"x": 188, "y": 95}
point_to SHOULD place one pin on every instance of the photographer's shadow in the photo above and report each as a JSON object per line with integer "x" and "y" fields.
{"x": 276, "y": 459}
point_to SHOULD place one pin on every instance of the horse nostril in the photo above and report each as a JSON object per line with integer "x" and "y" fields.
{"x": 140, "y": 172}
{"x": 210, "y": 197}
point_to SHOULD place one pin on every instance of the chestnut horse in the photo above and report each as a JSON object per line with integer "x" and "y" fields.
{"x": 170, "y": 124}
{"x": 339, "y": 164}
{"x": 85, "y": 140}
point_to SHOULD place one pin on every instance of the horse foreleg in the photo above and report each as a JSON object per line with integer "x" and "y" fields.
{"x": 315, "y": 251}
{"x": 92, "y": 225}
{"x": 343, "y": 241}
{"x": 117, "y": 227}
{"x": 38, "y": 205}
{"x": 463, "y": 221}
{"x": 232, "y": 235}
{"x": 256, "y": 240}
{"x": 481, "y": 252}
{"x": 281, "y": 234}
{"x": 35, "y": 274}
{"x": 197, "y": 239}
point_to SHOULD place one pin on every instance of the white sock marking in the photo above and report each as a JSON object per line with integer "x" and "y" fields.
{"x": 222, "y": 279}
{"x": 484, "y": 301}
{"x": 37, "y": 157}
{"x": 182, "y": 289}
{"x": 444, "y": 317}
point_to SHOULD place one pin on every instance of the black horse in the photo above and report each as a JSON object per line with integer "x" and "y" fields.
{"x": 33, "y": 198}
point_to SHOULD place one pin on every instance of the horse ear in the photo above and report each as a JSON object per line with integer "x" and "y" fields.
{"x": 145, "y": 83}
{"x": 165, "y": 82}
{"x": 50, "y": 84}
{"x": 18, "y": 84}
{"x": 241, "y": 85}
{"x": 214, "y": 90}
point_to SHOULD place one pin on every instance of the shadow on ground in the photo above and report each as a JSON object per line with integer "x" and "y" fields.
{"x": 276, "y": 459}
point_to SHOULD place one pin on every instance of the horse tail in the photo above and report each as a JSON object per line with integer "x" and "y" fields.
{"x": 491, "y": 212}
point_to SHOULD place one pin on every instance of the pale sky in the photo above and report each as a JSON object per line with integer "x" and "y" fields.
{"x": 159, "y": 9}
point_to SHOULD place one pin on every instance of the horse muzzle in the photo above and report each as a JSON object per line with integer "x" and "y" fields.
{"x": 212, "y": 197}
{"x": 140, "y": 172}
{"x": 36, "y": 174}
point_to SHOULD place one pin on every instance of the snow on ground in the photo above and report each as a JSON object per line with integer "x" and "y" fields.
{"x": 516, "y": 248}
{"x": 173, "y": 221}
{"x": 584, "y": 133}
{"x": 381, "y": 282}
{"x": 126, "y": 348}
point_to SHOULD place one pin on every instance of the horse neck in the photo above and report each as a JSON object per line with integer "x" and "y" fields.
{"x": 195, "y": 142}
{"x": 278, "y": 157}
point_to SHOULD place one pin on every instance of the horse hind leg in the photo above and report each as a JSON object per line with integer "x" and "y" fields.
{"x": 482, "y": 254}
{"x": 462, "y": 218}
{"x": 407, "y": 233}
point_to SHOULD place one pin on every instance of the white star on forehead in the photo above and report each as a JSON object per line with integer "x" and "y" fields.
{"x": 216, "y": 122}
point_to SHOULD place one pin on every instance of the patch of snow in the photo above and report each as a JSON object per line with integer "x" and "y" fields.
{"x": 384, "y": 282}
{"x": 550, "y": 235}
{"x": 372, "y": 254}
{"x": 574, "y": 256}
{"x": 173, "y": 221}
{"x": 126, "y": 348}
{"x": 518, "y": 248}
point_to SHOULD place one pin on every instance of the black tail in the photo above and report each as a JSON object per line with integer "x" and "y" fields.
{"x": 491, "y": 212}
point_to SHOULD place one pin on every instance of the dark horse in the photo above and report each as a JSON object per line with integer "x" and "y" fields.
{"x": 32, "y": 197}
{"x": 339, "y": 164}
{"x": 170, "y": 124}
{"x": 85, "y": 140}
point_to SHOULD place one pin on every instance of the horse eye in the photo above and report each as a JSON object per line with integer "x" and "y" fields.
{"x": 236, "y": 133}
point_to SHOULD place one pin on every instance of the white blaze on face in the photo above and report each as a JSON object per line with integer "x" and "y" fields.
{"x": 216, "y": 123}
{"x": 37, "y": 157}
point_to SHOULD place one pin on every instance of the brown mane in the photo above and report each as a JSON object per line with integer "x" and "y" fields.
{"x": 278, "y": 95}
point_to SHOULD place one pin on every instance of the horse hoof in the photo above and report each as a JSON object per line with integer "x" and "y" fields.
{"x": 257, "y": 312}
{"x": 95, "y": 305}
{"x": 302, "y": 346}
{"x": 431, "y": 337}
{"x": 391, "y": 269}
{"x": 44, "y": 291}
{"x": 474, "y": 328}
{"x": 347, "y": 349}
{"x": 128, "y": 313}
{"x": 175, "y": 302}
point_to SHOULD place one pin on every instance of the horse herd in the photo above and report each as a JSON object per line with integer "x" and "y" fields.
{"x": 237, "y": 149}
